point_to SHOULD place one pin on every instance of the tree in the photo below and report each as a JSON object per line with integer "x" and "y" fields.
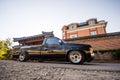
{"x": 5, "y": 48}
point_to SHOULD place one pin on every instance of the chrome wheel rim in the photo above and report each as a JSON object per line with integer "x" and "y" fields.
{"x": 21, "y": 57}
{"x": 75, "y": 57}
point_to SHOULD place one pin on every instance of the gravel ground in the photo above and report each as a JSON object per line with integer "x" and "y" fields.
{"x": 10, "y": 70}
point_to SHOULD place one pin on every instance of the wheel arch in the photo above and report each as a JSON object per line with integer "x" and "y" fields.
{"x": 75, "y": 50}
{"x": 24, "y": 51}
{"x": 26, "y": 55}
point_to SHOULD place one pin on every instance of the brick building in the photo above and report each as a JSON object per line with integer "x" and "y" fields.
{"x": 87, "y": 28}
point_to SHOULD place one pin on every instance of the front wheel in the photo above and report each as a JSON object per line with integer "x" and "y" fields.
{"x": 76, "y": 57}
{"x": 23, "y": 57}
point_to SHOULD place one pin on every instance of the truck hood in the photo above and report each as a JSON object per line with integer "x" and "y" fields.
{"x": 77, "y": 46}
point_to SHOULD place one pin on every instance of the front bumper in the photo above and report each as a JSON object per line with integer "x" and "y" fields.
{"x": 92, "y": 56}
{"x": 89, "y": 57}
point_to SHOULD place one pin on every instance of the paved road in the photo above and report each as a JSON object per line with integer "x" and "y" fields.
{"x": 86, "y": 66}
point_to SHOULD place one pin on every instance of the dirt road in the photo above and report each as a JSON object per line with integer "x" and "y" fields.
{"x": 14, "y": 70}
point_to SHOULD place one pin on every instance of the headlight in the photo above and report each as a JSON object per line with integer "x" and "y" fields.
{"x": 89, "y": 51}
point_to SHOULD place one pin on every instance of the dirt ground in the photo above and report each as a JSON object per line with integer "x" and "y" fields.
{"x": 9, "y": 70}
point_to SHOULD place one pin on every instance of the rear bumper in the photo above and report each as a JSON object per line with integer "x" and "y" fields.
{"x": 15, "y": 56}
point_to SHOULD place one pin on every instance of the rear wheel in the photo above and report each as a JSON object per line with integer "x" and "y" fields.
{"x": 23, "y": 56}
{"x": 76, "y": 57}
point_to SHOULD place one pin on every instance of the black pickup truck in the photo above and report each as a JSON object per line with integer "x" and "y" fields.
{"x": 54, "y": 48}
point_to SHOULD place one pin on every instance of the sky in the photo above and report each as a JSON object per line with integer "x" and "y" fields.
{"x": 20, "y": 18}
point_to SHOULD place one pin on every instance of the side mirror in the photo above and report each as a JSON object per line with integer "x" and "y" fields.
{"x": 60, "y": 42}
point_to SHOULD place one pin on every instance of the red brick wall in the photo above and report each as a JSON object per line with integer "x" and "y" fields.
{"x": 83, "y": 33}
{"x": 100, "y": 42}
{"x": 101, "y": 30}
{"x": 86, "y": 32}
{"x": 105, "y": 42}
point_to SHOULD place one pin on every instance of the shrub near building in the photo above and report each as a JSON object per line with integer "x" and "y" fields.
{"x": 115, "y": 53}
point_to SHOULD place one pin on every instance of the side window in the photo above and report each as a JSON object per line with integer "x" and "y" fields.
{"x": 91, "y": 22}
{"x": 71, "y": 27}
{"x": 93, "y": 33}
{"x": 73, "y": 36}
{"x": 52, "y": 41}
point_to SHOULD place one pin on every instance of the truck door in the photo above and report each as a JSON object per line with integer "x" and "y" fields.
{"x": 54, "y": 48}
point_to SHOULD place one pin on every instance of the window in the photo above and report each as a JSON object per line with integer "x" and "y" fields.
{"x": 93, "y": 33}
{"x": 52, "y": 41}
{"x": 71, "y": 27}
{"x": 91, "y": 22}
{"x": 73, "y": 36}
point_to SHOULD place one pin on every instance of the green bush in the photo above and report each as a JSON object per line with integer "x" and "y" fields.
{"x": 115, "y": 53}
{"x": 7, "y": 55}
{"x": 5, "y": 49}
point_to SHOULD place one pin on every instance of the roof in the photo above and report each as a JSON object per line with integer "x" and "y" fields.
{"x": 44, "y": 34}
{"x": 23, "y": 38}
{"x": 82, "y": 24}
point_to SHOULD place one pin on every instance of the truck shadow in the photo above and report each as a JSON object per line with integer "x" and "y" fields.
{"x": 68, "y": 63}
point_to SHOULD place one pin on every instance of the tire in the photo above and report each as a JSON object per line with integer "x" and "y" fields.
{"x": 76, "y": 57}
{"x": 23, "y": 56}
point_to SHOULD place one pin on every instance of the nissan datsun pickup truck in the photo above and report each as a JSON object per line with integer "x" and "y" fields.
{"x": 54, "y": 48}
